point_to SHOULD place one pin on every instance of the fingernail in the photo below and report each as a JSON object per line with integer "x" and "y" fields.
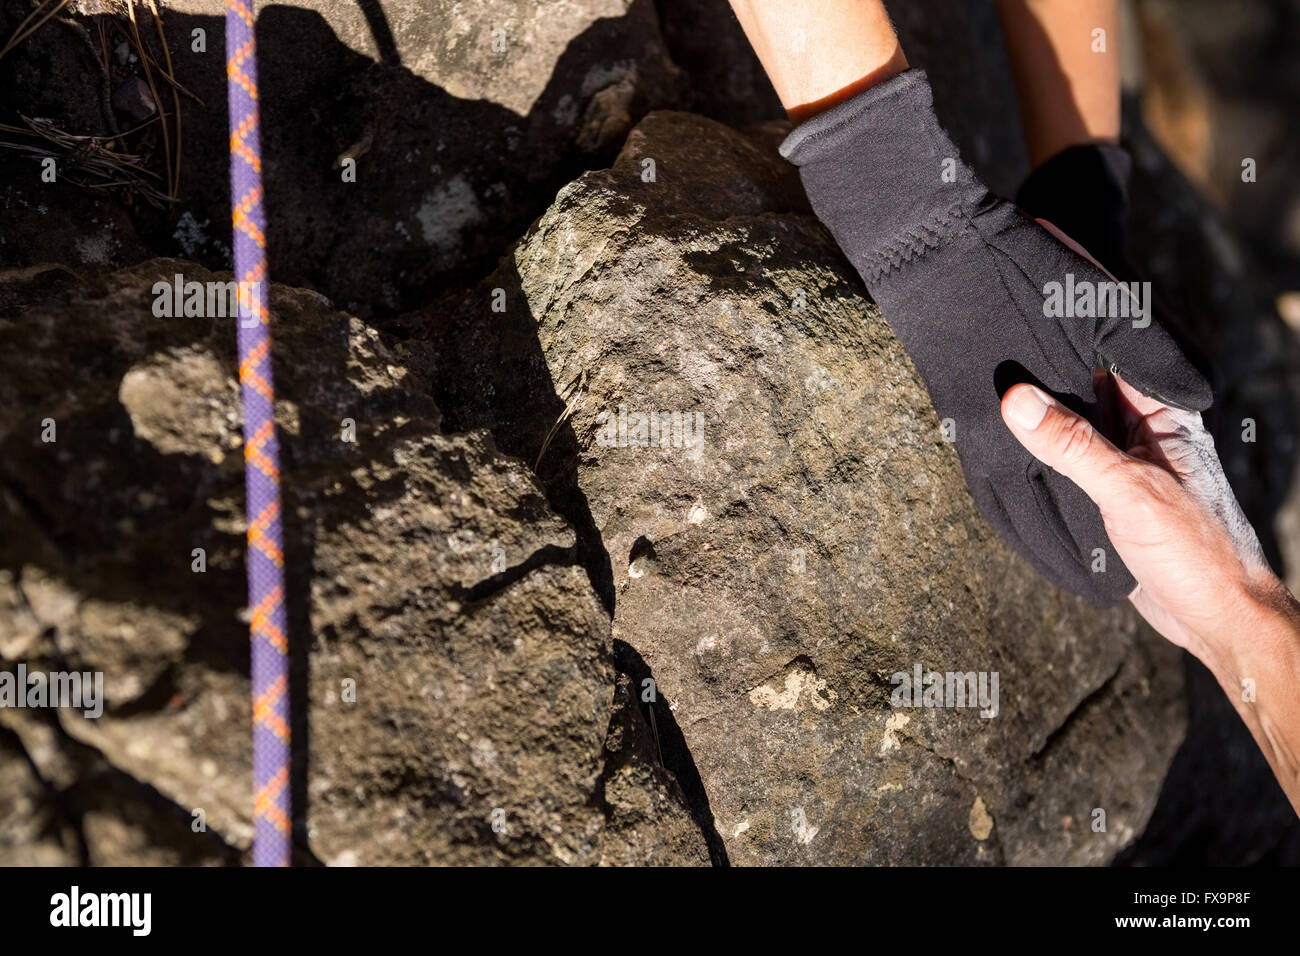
{"x": 1027, "y": 407}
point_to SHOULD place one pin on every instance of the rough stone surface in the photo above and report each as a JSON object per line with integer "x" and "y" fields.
{"x": 425, "y": 568}
{"x": 460, "y": 135}
{"x": 55, "y": 78}
{"x": 738, "y": 709}
{"x": 817, "y": 540}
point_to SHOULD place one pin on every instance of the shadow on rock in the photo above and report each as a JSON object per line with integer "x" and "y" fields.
{"x": 442, "y": 183}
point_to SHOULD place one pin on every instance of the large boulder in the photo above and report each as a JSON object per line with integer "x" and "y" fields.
{"x": 800, "y": 532}
{"x": 454, "y": 690}
{"x": 766, "y": 584}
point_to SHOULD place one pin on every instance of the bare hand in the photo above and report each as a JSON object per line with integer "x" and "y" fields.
{"x": 1165, "y": 501}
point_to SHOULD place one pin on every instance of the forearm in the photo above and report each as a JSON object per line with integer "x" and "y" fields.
{"x": 820, "y": 52}
{"x": 1255, "y": 656}
{"x": 1067, "y": 82}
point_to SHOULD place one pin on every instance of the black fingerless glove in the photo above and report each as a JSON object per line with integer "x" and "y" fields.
{"x": 965, "y": 280}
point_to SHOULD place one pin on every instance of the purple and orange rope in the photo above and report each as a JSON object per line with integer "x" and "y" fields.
{"x": 268, "y": 627}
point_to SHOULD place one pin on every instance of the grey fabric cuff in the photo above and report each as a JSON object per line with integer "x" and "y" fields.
{"x": 883, "y": 175}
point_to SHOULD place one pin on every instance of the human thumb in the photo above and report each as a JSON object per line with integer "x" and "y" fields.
{"x": 1065, "y": 442}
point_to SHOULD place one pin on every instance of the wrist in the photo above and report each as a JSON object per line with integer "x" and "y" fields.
{"x": 817, "y": 93}
{"x": 1258, "y": 634}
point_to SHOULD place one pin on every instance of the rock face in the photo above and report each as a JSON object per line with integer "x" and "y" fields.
{"x": 799, "y": 533}
{"x": 454, "y": 671}
{"x": 463, "y": 118}
{"x": 522, "y": 633}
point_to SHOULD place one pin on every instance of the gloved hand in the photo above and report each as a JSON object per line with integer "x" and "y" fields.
{"x": 963, "y": 278}
{"x": 1083, "y": 191}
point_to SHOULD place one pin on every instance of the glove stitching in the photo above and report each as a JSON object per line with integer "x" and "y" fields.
{"x": 914, "y": 242}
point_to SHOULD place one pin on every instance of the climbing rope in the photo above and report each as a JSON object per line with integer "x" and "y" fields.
{"x": 268, "y": 629}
